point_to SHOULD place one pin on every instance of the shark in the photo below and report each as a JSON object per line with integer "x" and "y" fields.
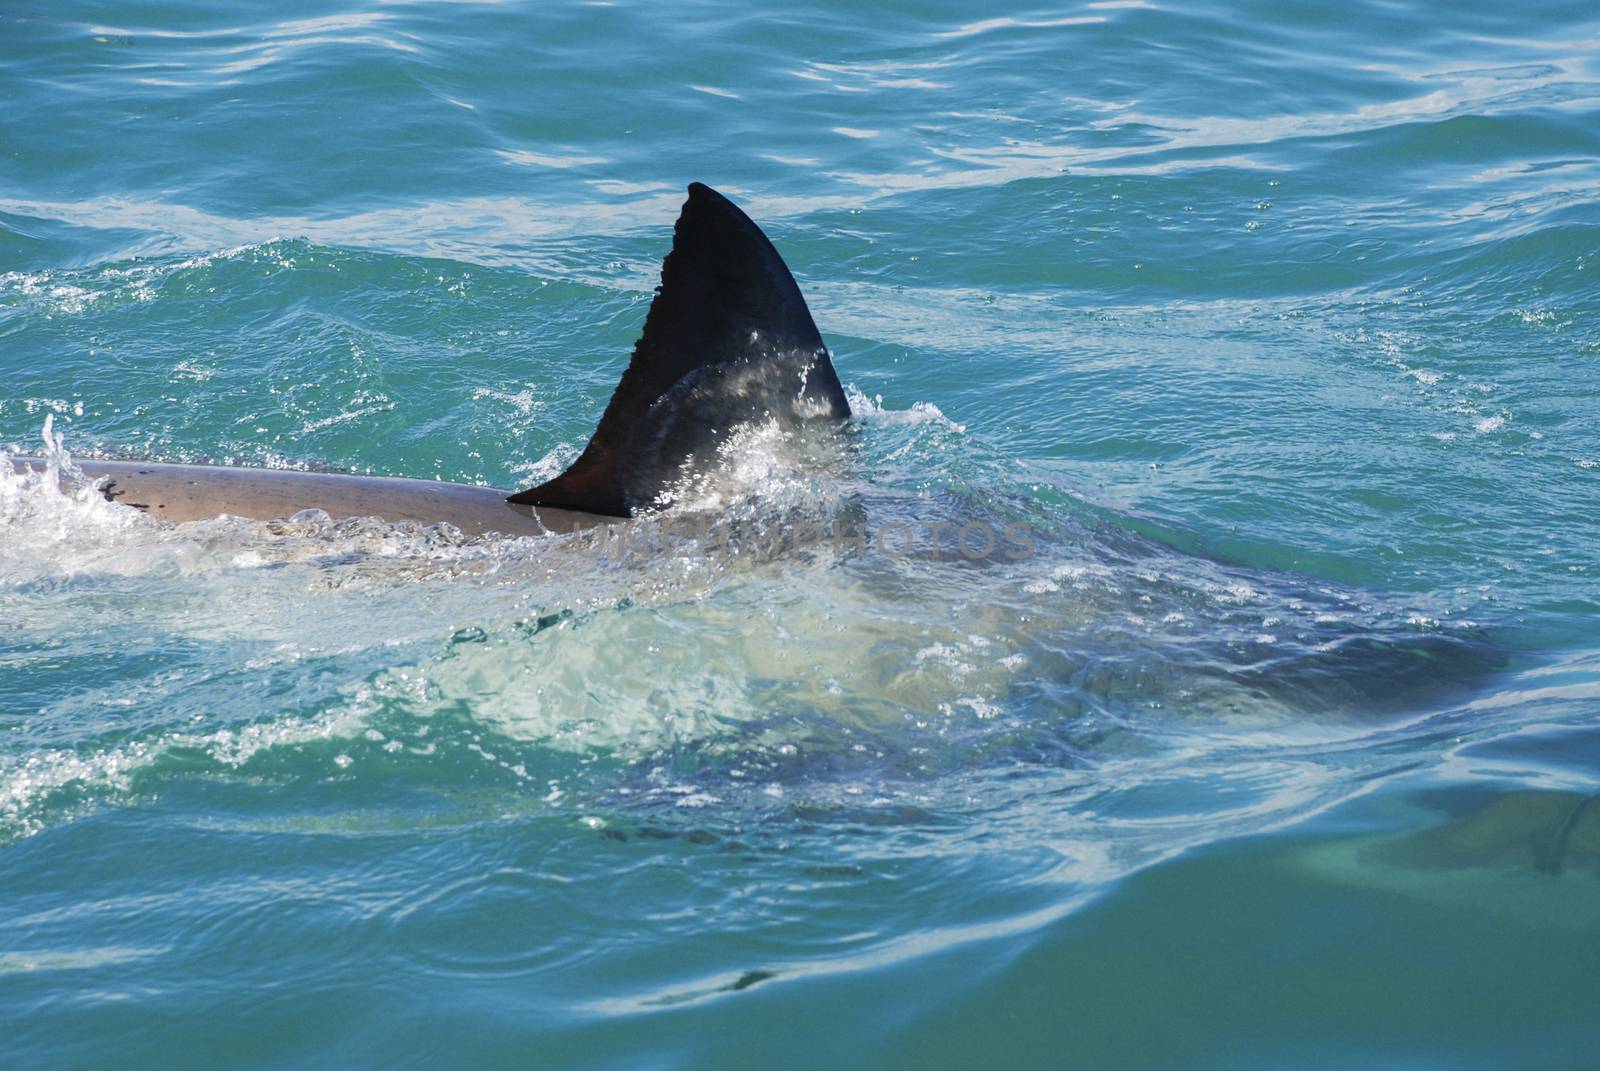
{"x": 728, "y": 341}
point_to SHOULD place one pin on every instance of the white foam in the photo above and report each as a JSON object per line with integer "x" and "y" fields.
{"x": 54, "y": 519}
{"x": 763, "y": 462}
{"x": 873, "y": 411}
{"x": 30, "y": 780}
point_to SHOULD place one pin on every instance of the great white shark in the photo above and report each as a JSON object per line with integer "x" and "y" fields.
{"x": 728, "y": 341}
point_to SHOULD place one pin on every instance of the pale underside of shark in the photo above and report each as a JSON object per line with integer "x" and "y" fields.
{"x": 728, "y": 341}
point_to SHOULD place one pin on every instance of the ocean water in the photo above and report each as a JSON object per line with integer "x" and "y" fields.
{"x": 1276, "y": 326}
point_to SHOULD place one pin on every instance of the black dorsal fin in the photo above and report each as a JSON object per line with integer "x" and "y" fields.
{"x": 728, "y": 340}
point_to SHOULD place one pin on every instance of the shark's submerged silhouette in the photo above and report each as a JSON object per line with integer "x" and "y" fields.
{"x": 728, "y": 341}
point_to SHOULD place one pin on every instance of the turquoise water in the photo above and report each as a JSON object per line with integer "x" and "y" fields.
{"x": 1277, "y": 324}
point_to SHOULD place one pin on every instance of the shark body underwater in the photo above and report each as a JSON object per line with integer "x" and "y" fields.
{"x": 728, "y": 340}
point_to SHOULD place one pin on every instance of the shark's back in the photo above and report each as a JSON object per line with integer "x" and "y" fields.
{"x": 181, "y": 493}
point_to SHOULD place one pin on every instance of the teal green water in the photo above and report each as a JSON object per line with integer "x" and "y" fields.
{"x": 1277, "y": 324}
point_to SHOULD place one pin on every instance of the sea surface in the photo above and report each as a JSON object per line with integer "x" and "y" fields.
{"x": 1276, "y": 326}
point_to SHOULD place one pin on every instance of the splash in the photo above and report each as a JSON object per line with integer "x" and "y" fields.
{"x": 872, "y": 410}
{"x": 762, "y": 465}
{"x": 56, "y": 519}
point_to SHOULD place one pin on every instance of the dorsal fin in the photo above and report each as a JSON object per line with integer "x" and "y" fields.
{"x": 728, "y": 340}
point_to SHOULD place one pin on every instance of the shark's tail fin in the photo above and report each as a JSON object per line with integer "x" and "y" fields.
{"x": 728, "y": 340}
